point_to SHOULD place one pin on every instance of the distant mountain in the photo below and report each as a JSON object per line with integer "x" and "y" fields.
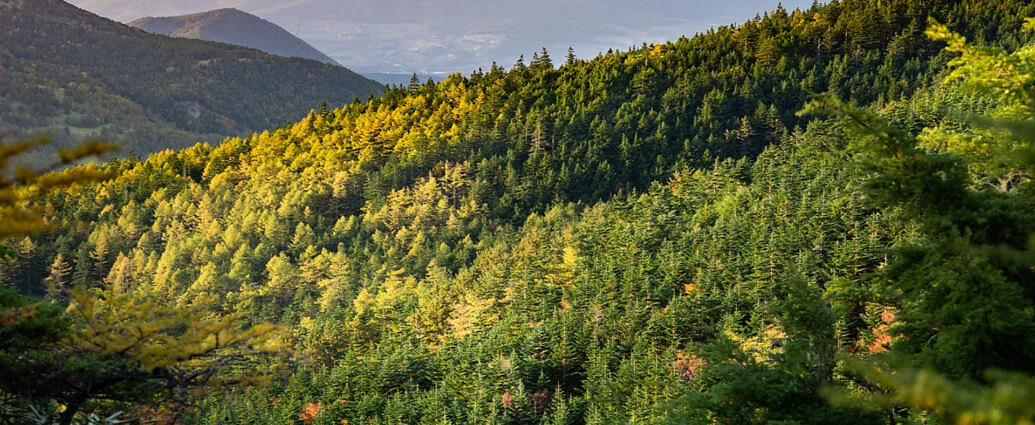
{"x": 405, "y": 36}
{"x": 74, "y": 75}
{"x": 403, "y": 79}
{"x": 233, "y": 26}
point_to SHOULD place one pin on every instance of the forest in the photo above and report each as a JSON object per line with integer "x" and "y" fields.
{"x": 819, "y": 216}
{"x": 72, "y": 75}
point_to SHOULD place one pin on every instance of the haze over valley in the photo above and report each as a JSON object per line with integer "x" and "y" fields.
{"x": 446, "y": 36}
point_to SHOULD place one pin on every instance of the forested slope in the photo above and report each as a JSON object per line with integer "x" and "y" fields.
{"x": 74, "y": 75}
{"x": 647, "y": 236}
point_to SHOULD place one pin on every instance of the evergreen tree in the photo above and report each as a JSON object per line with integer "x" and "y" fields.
{"x": 648, "y": 229}
{"x": 414, "y": 84}
{"x": 541, "y": 61}
{"x": 520, "y": 64}
{"x": 59, "y": 277}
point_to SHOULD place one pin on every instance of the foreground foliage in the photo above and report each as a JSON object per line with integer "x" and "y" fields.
{"x": 115, "y": 345}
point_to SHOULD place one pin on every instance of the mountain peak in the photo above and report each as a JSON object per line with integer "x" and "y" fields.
{"x": 103, "y": 79}
{"x": 233, "y": 26}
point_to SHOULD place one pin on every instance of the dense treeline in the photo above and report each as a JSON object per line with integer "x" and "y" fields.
{"x": 647, "y": 236}
{"x": 73, "y": 75}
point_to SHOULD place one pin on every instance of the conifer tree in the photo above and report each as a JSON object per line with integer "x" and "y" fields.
{"x": 414, "y": 84}
{"x": 970, "y": 259}
{"x": 520, "y": 64}
{"x": 541, "y": 61}
{"x": 59, "y": 277}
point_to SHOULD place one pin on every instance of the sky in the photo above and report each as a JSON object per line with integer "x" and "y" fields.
{"x": 446, "y": 36}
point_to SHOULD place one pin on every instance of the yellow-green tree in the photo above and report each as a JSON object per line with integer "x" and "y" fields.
{"x": 19, "y": 183}
{"x": 117, "y": 344}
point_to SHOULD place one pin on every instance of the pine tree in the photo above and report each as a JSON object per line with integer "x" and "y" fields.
{"x": 59, "y": 278}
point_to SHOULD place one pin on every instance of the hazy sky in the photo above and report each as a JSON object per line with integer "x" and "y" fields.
{"x": 463, "y": 35}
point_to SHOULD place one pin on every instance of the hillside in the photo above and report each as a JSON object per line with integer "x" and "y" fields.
{"x": 648, "y": 236}
{"x": 74, "y": 75}
{"x": 233, "y": 26}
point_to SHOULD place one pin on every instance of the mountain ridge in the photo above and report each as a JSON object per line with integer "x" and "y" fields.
{"x": 72, "y": 75}
{"x": 233, "y": 26}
